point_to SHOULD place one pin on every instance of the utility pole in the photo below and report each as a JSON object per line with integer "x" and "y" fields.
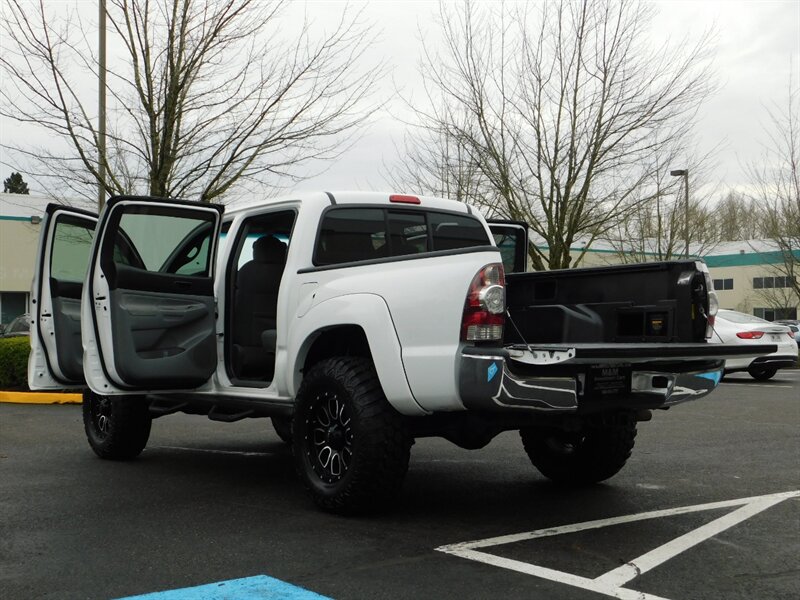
{"x": 101, "y": 99}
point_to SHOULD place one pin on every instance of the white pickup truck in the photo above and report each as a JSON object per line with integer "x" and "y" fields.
{"x": 359, "y": 322}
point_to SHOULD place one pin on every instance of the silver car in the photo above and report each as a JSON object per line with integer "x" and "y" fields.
{"x": 733, "y": 327}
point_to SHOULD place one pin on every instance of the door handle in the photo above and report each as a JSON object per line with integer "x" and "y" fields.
{"x": 184, "y": 285}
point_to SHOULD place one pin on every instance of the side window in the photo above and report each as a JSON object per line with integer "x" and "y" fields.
{"x": 277, "y": 225}
{"x": 157, "y": 239}
{"x": 511, "y": 238}
{"x": 72, "y": 242}
{"x": 452, "y": 232}
{"x": 194, "y": 258}
{"x": 351, "y": 234}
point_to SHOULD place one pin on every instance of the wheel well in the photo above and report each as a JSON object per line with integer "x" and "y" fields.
{"x": 343, "y": 340}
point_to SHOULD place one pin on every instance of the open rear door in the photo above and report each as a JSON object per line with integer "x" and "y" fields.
{"x": 149, "y": 312}
{"x": 62, "y": 258}
{"x": 511, "y": 237}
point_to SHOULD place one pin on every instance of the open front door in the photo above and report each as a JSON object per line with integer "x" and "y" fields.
{"x": 149, "y": 312}
{"x": 62, "y": 258}
{"x": 511, "y": 237}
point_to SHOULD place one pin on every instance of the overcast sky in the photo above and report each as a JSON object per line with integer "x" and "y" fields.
{"x": 756, "y": 47}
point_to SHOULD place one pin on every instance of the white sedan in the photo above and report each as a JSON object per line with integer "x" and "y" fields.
{"x": 733, "y": 327}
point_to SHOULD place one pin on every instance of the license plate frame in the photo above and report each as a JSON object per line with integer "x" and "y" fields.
{"x": 608, "y": 381}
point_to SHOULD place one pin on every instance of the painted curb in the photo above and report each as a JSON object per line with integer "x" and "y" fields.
{"x": 40, "y": 398}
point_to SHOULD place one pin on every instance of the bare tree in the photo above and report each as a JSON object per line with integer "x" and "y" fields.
{"x": 654, "y": 227}
{"x": 740, "y": 217}
{"x": 557, "y": 109}
{"x": 776, "y": 184}
{"x": 206, "y": 94}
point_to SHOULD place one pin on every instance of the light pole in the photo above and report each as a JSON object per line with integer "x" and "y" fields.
{"x": 101, "y": 100}
{"x": 685, "y": 174}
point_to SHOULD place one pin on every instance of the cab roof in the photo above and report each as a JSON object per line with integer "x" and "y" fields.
{"x": 325, "y": 199}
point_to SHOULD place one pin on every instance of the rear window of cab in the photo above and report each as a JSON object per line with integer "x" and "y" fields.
{"x": 354, "y": 234}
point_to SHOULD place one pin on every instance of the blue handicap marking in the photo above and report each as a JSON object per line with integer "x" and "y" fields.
{"x": 714, "y": 376}
{"x": 491, "y": 372}
{"x": 259, "y": 587}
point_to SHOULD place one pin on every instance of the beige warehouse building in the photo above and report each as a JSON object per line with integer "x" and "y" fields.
{"x": 19, "y": 232}
{"x": 20, "y": 216}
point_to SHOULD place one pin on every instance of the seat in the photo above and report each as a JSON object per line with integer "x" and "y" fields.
{"x": 255, "y": 309}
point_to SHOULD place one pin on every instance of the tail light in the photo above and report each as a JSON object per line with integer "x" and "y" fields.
{"x": 750, "y": 335}
{"x": 713, "y": 301}
{"x": 485, "y": 307}
{"x": 791, "y": 335}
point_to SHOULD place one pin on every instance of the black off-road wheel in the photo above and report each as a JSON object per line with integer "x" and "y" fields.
{"x": 117, "y": 427}
{"x": 351, "y": 448}
{"x": 283, "y": 427}
{"x": 762, "y": 374}
{"x": 594, "y": 453}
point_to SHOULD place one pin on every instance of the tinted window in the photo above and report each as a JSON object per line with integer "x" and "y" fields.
{"x": 159, "y": 240}
{"x": 356, "y": 234}
{"x": 451, "y": 232}
{"x": 351, "y": 234}
{"x": 193, "y": 258}
{"x": 408, "y": 233}
{"x": 72, "y": 242}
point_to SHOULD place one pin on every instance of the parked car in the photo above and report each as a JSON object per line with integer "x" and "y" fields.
{"x": 18, "y": 327}
{"x": 732, "y": 327}
{"x": 794, "y": 325}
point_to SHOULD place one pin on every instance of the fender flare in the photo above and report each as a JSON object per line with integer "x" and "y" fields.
{"x": 371, "y": 313}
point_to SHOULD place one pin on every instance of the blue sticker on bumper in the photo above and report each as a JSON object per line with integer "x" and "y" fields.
{"x": 714, "y": 376}
{"x": 491, "y": 371}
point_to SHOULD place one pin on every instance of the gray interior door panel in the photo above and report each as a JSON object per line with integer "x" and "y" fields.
{"x": 67, "y": 319}
{"x": 163, "y": 340}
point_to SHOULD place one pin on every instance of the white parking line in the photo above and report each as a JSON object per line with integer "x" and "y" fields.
{"x": 749, "y": 385}
{"x": 610, "y": 584}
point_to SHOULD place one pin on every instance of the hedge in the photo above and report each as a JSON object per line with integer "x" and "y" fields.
{"x": 14, "y": 353}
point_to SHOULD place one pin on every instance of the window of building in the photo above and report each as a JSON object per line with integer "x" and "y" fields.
{"x": 723, "y": 284}
{"x": 774, "y": 314}
{"x": 768, "y": 283}
{"x": 12, "y": 305}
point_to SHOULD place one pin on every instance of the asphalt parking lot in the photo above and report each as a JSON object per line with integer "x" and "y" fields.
{"x": 210, "y": 502}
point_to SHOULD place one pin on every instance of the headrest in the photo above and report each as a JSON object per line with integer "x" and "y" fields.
{"x": 269, "y": 249}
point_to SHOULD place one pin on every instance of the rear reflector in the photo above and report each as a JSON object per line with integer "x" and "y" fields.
{"x": 404, "y": 199}
{"x": 750, "y": 335}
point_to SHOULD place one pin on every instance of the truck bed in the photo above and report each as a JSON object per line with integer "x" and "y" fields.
{"x": 663, "y": 302}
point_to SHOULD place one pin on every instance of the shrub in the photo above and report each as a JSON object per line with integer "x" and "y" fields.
{"x": 14, "y": 353}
